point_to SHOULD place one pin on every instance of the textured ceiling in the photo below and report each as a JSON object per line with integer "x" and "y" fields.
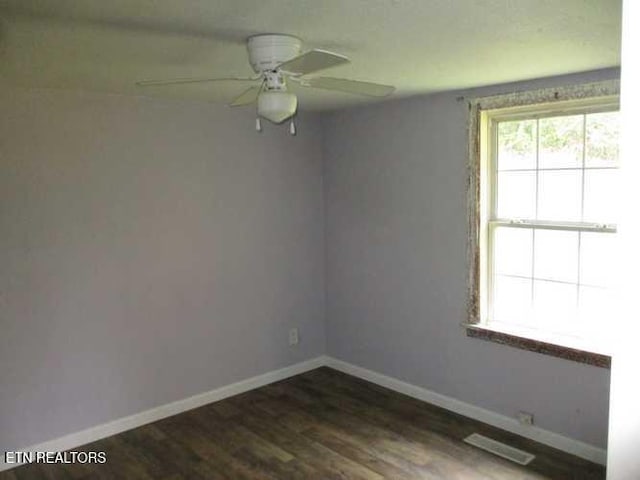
{"x": 419, "y": 46}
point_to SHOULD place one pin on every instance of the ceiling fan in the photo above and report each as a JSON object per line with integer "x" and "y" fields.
{"x": 277, "y": 61}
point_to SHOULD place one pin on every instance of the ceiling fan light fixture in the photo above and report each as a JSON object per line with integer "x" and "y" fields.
{"x": 277, "y": 106}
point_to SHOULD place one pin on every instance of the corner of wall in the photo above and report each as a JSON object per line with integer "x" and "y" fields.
{"x": 322, "y": 120}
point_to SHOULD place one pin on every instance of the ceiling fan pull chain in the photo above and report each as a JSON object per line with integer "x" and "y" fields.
{"x": 258, "y": 125}
{"x": 292, "y": 128}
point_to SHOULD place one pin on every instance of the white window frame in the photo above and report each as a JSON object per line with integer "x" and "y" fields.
{"x": 484, "y": 114}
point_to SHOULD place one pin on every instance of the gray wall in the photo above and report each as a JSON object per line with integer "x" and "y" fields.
{"x": 150, "y": 250}
{"x": 395, "y": 196}
{"x": 155, "y": 249}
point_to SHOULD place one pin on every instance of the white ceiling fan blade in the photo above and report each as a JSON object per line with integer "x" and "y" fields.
{"x": 179, "y": 81}
{"x": 349, "y": 86}
{"x": 312, "y": 61}
{"x": 247, "y": 97}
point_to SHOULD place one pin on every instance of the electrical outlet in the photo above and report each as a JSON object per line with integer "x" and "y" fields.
{"x": 525, "y": 418}
{"x": 294, "y": 339}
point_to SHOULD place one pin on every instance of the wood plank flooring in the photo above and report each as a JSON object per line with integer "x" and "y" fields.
{"x": 319, "y": 425}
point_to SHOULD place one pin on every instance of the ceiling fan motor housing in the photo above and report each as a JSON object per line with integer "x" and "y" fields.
{"x": 268, "y": 51}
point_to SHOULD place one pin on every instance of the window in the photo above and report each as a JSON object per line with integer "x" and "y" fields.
{"x": 546, "y": 219}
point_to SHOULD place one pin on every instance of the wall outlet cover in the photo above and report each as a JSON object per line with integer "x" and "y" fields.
{"x": 525, "y": 418}
{"x": 294, "y": 339}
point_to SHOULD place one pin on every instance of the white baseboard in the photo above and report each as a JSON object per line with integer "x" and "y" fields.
{"x": 98, "y": 432}
{"x": 546, "y": 437}
{"x": 73, "y": 440}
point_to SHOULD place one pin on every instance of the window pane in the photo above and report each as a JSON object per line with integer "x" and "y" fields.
{"x": 555, "y": 305}
{"x": 596, "y": 262}
{"x": 559, "y": 195}
{"x": 602, "y": 139}
{"x": 561, "y": 142}
{"x": 556, "y": 255}
{"x": 594, "y": 307}
{"x": 516, "y": 195}
{"x": 600, "y": 196}
{"x": 512, "y": 251}
{"x": 512, "y": 300}
{"x": 517, "y": 145}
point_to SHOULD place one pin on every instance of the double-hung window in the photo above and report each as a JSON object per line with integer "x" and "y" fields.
{"x": 547, "y": 218}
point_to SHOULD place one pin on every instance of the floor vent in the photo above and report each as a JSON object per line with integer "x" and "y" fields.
{"x": 500, "y": 449}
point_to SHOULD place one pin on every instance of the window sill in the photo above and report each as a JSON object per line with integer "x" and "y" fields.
{"x": 561, "y": 347}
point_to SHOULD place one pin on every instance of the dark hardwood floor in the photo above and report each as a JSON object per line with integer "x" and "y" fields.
{"x": 319, "y": 425}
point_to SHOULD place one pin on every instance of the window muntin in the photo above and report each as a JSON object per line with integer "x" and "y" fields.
{"x": 549, "y": 216}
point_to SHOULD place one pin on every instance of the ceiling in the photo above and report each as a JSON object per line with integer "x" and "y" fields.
{"x": 420, "y": 46}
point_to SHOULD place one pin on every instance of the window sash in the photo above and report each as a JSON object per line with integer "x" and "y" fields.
{"x": 491, "y": 182}
{"x": 490, "y": 275}
{"x": 548, "y": 225}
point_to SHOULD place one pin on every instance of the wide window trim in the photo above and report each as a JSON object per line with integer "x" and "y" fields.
{"x": 591, "y": 97}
